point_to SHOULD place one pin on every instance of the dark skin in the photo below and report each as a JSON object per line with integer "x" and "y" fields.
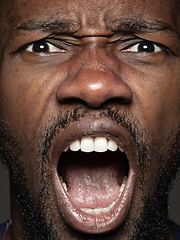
{"x": 92, "y": 64}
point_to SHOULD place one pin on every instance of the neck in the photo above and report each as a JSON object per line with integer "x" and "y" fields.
{"x": 171, "y": 233}
{"x": 7, "y": 231}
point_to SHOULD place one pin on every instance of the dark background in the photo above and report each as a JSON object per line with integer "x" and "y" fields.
{"x": 174, "y": 208}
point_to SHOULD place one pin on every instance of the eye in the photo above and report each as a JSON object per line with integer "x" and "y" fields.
{"x": 43, "y": 47}
{"x": 145, "y": 46}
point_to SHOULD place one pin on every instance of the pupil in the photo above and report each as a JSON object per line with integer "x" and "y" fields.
{"x": 40, "y": 47}
{"x": 146, "y": 47}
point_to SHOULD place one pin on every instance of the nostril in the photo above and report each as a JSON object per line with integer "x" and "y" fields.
{"x": 75, "y": 101}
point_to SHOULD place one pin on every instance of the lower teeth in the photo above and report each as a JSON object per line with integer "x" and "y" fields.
{"x": 99, "y": 210}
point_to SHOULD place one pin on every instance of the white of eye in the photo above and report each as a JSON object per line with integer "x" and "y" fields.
{"x": 147, "y": 47}
{"x": 43, "y": 47}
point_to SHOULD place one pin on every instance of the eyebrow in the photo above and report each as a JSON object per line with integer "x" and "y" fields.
{"x": 63, "y": 26}
{"x": 130, "y": 25}
{"x": 139, "y": 25}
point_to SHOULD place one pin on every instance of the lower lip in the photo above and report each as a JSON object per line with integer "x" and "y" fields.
{"x": 91, "y": 223}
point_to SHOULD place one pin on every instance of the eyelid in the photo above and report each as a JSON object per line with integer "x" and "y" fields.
{"x": 134, "y": 47}
{"x": 156, "y": 47}
{"x": 53, "y": 48}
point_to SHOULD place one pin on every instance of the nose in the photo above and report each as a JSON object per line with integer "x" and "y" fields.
{"x": 94, "y": 82}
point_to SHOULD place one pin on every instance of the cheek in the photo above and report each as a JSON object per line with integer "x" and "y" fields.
{"x": 162, "y": 111}
{"x": 28, "y": 96}
{"x": 158, "y": 100}
{"x": 160, "y": 103}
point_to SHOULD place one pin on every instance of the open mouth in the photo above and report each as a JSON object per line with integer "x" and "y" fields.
{"x": 96, "y": 177}
{"x": 92, "y": 175}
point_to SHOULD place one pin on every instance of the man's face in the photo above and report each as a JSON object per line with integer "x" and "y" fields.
{"x": 75, "y": 74}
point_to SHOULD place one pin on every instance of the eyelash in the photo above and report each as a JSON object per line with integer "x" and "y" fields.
{"x": 146, "y": 47}
{"x": 44, "y": 46}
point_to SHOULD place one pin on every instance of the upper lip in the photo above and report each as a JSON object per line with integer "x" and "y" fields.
{"x": 73, "y": 215}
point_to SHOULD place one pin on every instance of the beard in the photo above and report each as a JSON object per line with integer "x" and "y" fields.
{"x": 36, "y": 219}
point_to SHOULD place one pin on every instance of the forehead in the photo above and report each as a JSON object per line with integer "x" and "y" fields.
{"x": 94, "y": 14}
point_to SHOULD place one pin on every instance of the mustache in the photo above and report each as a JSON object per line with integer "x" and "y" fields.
{"x": 124, "y": 118}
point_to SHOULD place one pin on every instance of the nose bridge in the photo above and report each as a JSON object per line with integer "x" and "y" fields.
{"x": 95, "y": 57}
{"x": 93, "y": 80}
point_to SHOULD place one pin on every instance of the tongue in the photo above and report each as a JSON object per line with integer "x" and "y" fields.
{"x": 92, "y": 178}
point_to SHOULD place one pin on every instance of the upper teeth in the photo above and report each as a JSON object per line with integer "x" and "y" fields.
{"x": 98, "y": 144}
